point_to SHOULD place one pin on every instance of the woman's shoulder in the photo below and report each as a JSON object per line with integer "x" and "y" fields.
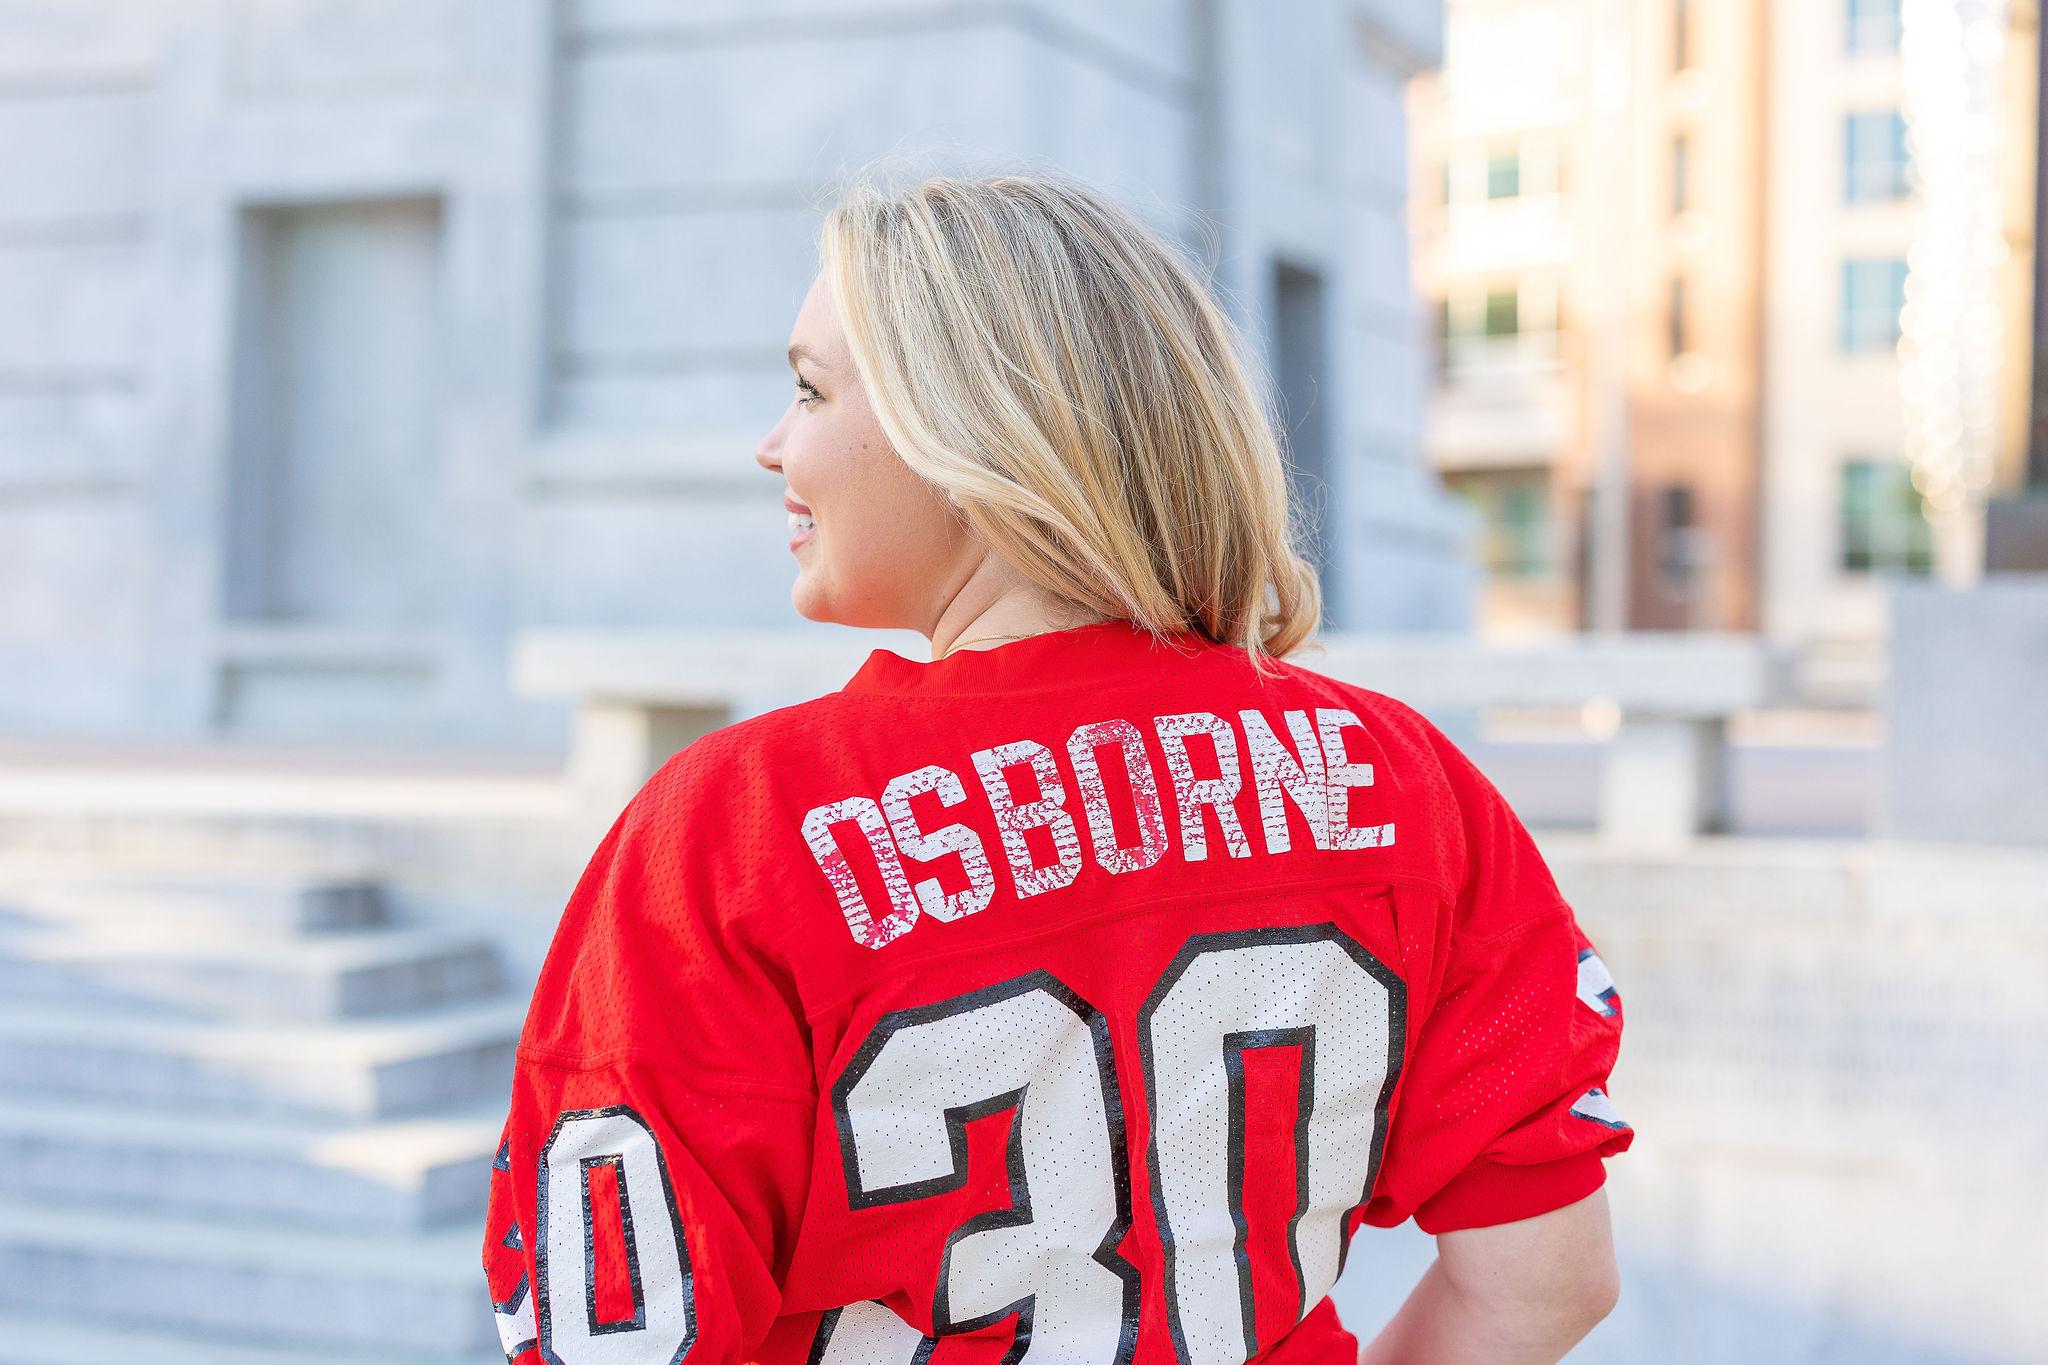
{"x": 1420, "y": 760}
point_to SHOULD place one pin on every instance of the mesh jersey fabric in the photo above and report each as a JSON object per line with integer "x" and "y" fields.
{"x": 1079, "y": 998}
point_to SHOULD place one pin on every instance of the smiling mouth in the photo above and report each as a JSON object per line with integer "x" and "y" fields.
{"x": 803, "y": 524}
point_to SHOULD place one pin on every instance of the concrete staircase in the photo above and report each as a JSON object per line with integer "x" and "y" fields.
{"x": 244, "y": 1118}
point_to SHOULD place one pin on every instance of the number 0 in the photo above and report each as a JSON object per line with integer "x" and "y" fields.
{"x": 1313, "y": 987}
{"x": 664, "y": 1320}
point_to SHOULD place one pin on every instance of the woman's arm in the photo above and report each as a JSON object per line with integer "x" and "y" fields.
{"x": 1517, "y": 1294}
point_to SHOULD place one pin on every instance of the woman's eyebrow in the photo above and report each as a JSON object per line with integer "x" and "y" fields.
{"x": 799, "y": 351}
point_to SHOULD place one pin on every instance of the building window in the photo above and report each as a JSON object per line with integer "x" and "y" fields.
{"x": 1873, "y": 27}
{"x": 1681, "y": 547}
{"x": 1499, "y": 325}
{"x": 1503, "y": 312}
{"x": 1875, "y": 166}
{"x": 1301, "y": 369}
{"x": 1681, "y": 173}
{"x": 1681, "y": 35}
{"x": 1884, "y": 525}
{"x": 1514, "y": 514}
{"x": 335, "y": 457}
{"x": 1680, "y": 320}
{"x": 1873, "y": 293}
{"x": 1504, "y": 175}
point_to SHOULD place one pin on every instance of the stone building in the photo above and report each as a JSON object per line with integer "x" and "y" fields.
{"x": 342, "y": 339}
{"x": 1668, "y": 241}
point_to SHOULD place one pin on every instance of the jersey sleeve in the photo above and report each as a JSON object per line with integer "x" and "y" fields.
{"x": 656, "y": 1154}
{"x": 1503, "y": 1112}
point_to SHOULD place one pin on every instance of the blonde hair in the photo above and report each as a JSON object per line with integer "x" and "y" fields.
{"x": 1041, "y": 358}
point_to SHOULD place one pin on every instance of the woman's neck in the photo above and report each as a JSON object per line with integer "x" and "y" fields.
{"x": 997, "y": 605}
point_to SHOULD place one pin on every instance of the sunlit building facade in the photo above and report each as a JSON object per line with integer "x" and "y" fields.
{"x": 1669, "y": 247}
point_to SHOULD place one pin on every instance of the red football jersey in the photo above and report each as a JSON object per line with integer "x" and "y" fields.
{"x": 1077, "y": 998}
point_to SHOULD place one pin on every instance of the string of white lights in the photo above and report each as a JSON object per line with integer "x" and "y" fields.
{"x": 1950, "y": 345}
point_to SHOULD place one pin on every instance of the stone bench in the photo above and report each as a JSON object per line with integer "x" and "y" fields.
{"x": 642, "y": 695}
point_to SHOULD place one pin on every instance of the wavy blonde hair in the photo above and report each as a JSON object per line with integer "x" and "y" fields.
{"x": 1062, "y": 375}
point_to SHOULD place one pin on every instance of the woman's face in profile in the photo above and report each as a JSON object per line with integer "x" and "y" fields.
{"x": 874, "y": 545}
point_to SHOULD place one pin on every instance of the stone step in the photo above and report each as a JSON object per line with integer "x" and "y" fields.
{"x": 397, "y": 1175}
{"x": 358, "y": 1069}
{"x": 331, "y": 976}
{"x": 275, "y": 901}
{"x": 40, "y": 1341}
{"x": 259, "y": 1286}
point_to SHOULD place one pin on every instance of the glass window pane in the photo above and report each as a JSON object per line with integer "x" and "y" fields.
{"x": 1514, "y": 514}
{"x": 1919, "y": 534}
{"x": 1503, "y": 313}
{"x": 1873, "y": 293}
{"x": 1504, "y": 175}
{"x": 1875, "y": 166}
{"x": 1873, "y": 27}
{"x": 1884, "y": 522}
{"x": 1521, "y": 530}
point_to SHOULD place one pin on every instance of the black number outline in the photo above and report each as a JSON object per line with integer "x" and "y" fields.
{"x": 1235, "y": 1045}
{"x": 1198, "y": 945}
{"x": 957, "y": 1118}
{"x": 512, "y": 1241}
{"x": 509, "y": 1308}
{"x": 542, "y": 1301}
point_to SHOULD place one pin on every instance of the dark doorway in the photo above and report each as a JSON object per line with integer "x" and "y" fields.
{"x": 1300, "y": 370}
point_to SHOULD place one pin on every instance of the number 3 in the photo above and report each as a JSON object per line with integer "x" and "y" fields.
{"x": 1032, "y": 1045}
{"x": 903, "y": 1106}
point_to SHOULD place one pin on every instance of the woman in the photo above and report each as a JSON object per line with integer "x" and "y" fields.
{"x": 1079, "y": 993}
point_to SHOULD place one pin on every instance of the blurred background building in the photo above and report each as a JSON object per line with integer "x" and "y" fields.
{"x": 1670, "y": 245}
{"x": 341, "y": 339}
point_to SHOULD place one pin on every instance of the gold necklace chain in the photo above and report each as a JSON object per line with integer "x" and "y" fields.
{"x": 990, "y": 639}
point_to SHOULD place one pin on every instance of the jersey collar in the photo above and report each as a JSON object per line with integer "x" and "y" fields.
{"x": 1059, "y": 660}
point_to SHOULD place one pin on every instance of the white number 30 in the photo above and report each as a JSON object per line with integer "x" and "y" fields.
{"x": 1033, "y": 1045}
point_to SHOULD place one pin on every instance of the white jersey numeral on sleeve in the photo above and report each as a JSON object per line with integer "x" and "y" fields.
{"x": 1596, "y": 986}
{"x": 517, "y": 1328}
{"x": 663, "y": 1323}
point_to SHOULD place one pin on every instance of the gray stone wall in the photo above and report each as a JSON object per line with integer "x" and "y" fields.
{"x": 1966, "y": 713}
{"x": 340, "y": 339}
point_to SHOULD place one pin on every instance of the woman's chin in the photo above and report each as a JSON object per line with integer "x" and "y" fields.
{"x": 814, "y": 603}
{"x": 807, "y": 604}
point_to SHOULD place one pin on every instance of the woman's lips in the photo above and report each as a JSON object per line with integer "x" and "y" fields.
{"x": 802, "y": 524}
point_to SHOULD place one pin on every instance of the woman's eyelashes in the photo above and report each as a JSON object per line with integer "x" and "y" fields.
{"x": 807, "y": 392}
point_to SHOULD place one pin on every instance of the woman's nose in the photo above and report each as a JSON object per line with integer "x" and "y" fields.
{"x": 768, "y": 454}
